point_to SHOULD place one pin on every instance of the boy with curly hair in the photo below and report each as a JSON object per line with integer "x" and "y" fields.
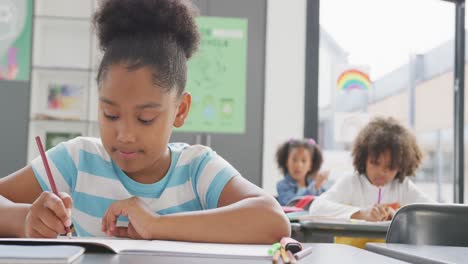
{"x": 384, "y": 154}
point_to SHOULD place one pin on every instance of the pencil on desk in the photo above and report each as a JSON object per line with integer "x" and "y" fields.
{"x": 49, "y": 175}
{"x": 292, "y": 259}
{"x": 303, "y": 253}
{"x": 276, "y": 257}
{"x": 284, "y": 256}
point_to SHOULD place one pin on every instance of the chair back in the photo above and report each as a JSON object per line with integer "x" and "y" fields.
{"x": 430, "y": 224}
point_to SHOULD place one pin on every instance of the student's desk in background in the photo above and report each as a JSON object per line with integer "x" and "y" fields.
{"x": 324, "y": 231}
{"x": 323, "y": 253}
{"x": 421, "y": 253}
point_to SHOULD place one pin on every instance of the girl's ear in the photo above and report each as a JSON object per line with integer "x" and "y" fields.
{"x": 183, "y": 109}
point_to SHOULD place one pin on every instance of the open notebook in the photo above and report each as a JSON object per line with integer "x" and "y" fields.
{"x": 39, "y": 254}
{"x": 156, "y": 247}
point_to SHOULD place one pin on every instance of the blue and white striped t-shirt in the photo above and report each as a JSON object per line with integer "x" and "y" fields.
{"x": 82, "y": 168}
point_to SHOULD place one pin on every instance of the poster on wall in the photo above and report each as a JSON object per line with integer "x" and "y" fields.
{"x": 217, "y": 77}
{"x": 15, "y": 39}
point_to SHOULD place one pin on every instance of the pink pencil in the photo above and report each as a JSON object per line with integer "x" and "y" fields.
{"x": 49, "y": 174}
{"x": 379, "y": 197}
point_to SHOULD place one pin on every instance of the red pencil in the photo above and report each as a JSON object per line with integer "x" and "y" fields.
{"x": 49, "y": 174}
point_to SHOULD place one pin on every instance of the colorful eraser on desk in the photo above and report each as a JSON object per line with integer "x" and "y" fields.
{"x": 291, "y": 244}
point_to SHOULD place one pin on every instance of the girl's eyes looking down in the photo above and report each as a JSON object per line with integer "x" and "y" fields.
{"x": 145, "y": 120}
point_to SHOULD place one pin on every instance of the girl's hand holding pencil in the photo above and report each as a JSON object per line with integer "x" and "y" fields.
{"x": 50, "y": 214}
{"x": 378, "y": 212}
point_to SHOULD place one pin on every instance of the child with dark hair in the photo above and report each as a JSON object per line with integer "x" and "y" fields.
{"x": 131, "y": 182}
{"x": 300, "y": 161}
{"x": 384, "y": 154}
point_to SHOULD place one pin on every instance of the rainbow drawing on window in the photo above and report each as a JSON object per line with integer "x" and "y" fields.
{"x": 353, "y": 79}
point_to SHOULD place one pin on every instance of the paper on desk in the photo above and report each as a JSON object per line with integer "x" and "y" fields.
{"x": 158, "y": 247}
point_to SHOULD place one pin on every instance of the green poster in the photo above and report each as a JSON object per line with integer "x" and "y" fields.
{"x": 217, "y": 77}
{"x": 15, "y": 39}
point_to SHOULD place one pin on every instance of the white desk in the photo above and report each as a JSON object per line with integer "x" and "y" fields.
{"x": 322, "y": 253}
{"x": 421, "y": 253}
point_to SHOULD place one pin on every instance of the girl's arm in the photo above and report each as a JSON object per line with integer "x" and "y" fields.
{"x": 245, "y": 214}
{"x": 312, "y": 189}
{"x": 328, "y": 208}
{"x": 25, "y": 210}
{"x": 17, "y": 192}
{"x": 320, "y": 179}
{"x": 20, "y": 186}
{"x": 12, "y": 218}
{"x": 335, "y": 202}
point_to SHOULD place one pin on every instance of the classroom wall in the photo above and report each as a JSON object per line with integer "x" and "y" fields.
{"x": 284, "y": 81}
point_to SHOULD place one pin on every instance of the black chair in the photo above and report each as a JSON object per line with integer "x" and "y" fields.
{"x": 430, "y": 224}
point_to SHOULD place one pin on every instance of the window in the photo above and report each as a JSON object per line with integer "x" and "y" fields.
{"x": 405, "y": 48}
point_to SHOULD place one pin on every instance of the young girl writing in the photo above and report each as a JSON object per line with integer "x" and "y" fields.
{"x": 132, "y": 182}
{"x": 300, "y": 161}
{"x": 384, "y": 154}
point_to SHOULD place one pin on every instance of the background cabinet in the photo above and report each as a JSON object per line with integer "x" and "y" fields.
{"x": 65, "y": 56}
